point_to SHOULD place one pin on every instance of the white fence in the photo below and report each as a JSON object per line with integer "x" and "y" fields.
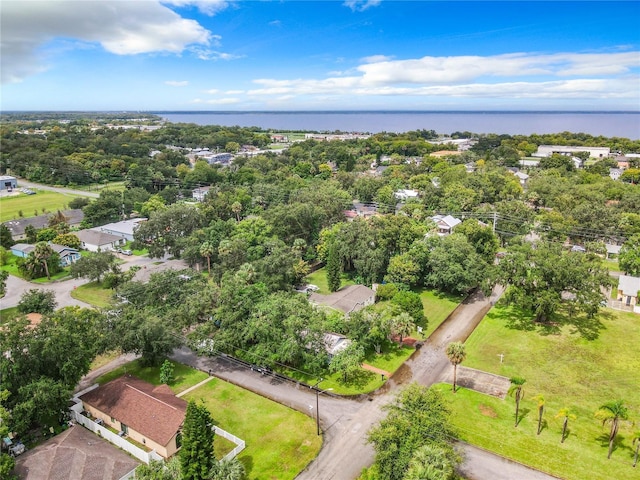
{"x": 146, "y": 457}
{"x": 618, "y": 305}
{"x": 240, "y": 445}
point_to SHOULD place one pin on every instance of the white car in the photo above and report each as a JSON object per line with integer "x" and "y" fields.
{"x": 310, "y": 288}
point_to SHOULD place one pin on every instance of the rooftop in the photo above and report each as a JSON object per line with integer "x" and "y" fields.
{"x": 154, "y": 412}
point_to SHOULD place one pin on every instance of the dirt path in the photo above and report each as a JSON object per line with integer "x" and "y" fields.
{"x": 90, "y": 378}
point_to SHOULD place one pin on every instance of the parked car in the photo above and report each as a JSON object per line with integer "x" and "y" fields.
{"x": 17, "y": 449}
{"x": 127, "y": 252}
{"x": 310, "y": 288}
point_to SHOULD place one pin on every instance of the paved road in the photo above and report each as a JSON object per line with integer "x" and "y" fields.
{"x": 40, "y": 186}
{"x": 63, "y": 288}
{"x": 345, "y": 421}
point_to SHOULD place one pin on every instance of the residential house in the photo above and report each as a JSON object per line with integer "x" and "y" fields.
{"x": 522, "y": 177}
{"x": 124, "y": 229}
{"x": 404, "y": 195}
{"x": 18, "y": 226}
{"x": 200, "y": 193}
{"x": 150, "y": 415}
{"x": 628, "y": 289}
{"x": 445, "y": 223}
{"x": 335, "y": 343}
{"x": 612, "y": 250}
{"x": 615, "y": 173}
{"x": 97, "y": 241}
{"x": 347, "y": 299}
{"x": 68, "y": 255}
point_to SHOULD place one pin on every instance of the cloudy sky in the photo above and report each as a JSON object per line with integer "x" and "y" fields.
{"x": 319, "y": 55}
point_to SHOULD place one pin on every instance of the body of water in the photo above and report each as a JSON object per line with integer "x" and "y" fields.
{"x": 608, "y": 124}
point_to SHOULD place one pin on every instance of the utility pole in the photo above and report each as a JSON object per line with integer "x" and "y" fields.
{"x": 495, "y": 219}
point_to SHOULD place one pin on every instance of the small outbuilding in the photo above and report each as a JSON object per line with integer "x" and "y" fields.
{"x": 7, "y": 182}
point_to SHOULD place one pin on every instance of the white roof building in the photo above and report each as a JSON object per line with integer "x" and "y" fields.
{"x": 405, "y": 194}
{"x": 445, "y": 223}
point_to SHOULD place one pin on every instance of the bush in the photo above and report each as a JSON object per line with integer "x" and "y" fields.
{"x": 37, "y": 301}
{"x": 386, "y": 291}
{"x": 411, "y": 303}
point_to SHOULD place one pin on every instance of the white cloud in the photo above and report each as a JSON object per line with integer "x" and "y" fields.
{"x": 561, "y": 75}
{"x": 234, "y": 92}
{"x": 208, "y": 7}
{"x": 223, "y": 101}
{"x": 361, "y": 5}
{"x": 208, "y": 54}
{"x": 212, "y": 91}
{"x": 275, "y": 23}
{"x": 120, "y": 27}
{"x": 177, "y": 83}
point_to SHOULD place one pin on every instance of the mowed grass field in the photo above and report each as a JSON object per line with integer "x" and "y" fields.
{"x": 280, "y": 442}
{"x": 568, "y": 371}
{"x": 32, "y": 205}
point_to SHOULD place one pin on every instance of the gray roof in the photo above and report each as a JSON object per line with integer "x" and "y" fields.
{"x": 61, "y": 250}
{"x": 126, "y": 227}
{"x": 95, "y": 237}
{"x": 17, "y": 227}
{"x": 615, "y": 249}
{"x": 629, "y": 285}
{"x": 347, "y": 299}
{"x": 335, "y": 343}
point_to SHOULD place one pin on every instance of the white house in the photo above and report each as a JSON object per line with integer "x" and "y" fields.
{"x": 97, "y": 241}
{"x": 615, "y": 173}
{"x": 594, "y": 152}
{"x": 404, "y": 195}
{"x": 200, "y": 193}
{"x": 445, "y": 223}
{"x": 124, "y": 229}
{"x": 628, "y": 289}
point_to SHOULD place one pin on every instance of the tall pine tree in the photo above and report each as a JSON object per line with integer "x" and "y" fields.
{"x": 196, "y": 454}
{"x": 334, "y": 269}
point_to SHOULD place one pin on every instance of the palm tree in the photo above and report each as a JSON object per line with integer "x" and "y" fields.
{"x": 430, "y": 462}
{"x": 227, "y": 470}
{"x": 207, "y": 250}
{"x": 457, "y": 353}
{"x": 567, "y": 414}
{"x": 236, "y": 208}
{"x": 517, "y": 392}
{"x": 612, "y": 412}
{"x": 402, "y": 325}
{"x": 636, "y": 443}
{"x": 540, "y": 400}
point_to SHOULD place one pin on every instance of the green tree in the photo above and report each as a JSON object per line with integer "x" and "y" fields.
{"x": 612, "y": 413}
{"x": 196, "y": 455}
{"x": 42, "y": 253}
{"x": 166, "y": 372}
{"x": 37, "y": 301}
{"x": 411, "y": 303}
{"x": 456, "y": 351}
{"x": 516, "y": 391}
{"x": 6, "y": 240}
{"x": 93, "y": 265}
{"x": 31, "y": 233}
{"x": 68, "y": 240}
{"x": 347, "y": 361}
{"x": 334, "y": 269}
{"x": 3, "y": 282}
{"x": 159, "y": 470}
{"x": 629, "y": 258}
{"x": 417, "y": 416}
{"x": 566, "y": 414}
{"x": 144, "y": 333}
{"x": 4, "y": 256}
{"x": 402, "y": 269}
{"x": 207, "y": 250}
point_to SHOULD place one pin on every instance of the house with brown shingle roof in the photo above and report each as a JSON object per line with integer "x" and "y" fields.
{"x": 150, "y": 415}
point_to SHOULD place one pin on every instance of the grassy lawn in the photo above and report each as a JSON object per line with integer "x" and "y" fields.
{"x": 363, "y": 381}
{"x": 392, "y": 356}
{"x": 11, "y": 267}
{"x": 8, "y": 314}
{"x": 102, "y": 360}
{"x": 437, "y": 307}
{"x": 612, "y": 264}
{"x": 569, "y": 371}
{"x": 319, "y": 278}
{"x": 489, "y": 422}
{"x": 184, "y": 375}
{"x": 94, "y": 294}
{"x": 32, "y": 205}
{"x": 280, "y": 441}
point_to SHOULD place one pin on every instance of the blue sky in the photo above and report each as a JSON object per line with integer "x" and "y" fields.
{"x": 319, "y": 55}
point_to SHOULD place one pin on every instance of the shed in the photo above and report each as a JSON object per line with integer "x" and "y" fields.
{"x": 7, "y": 182}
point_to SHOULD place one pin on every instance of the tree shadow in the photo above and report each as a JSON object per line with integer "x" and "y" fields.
{"x": 521, "y": 414}
{"x": 247, "y": 461}
{"x": 618, "y": 442}
{"x": 544, "y": 425}
{"x": 358, "y": 379}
